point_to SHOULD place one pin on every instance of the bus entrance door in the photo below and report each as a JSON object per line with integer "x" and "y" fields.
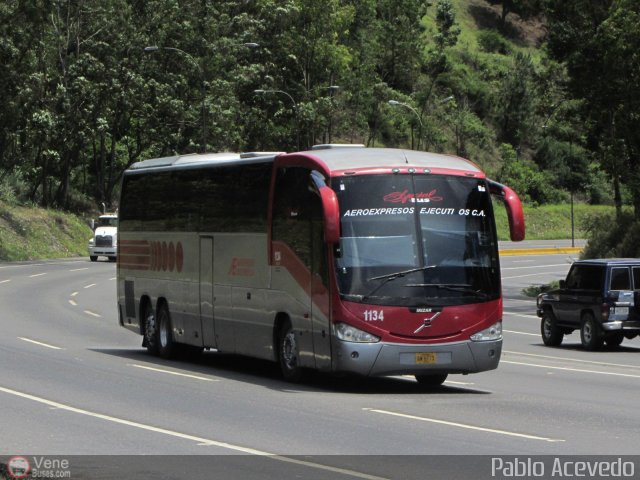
{"x": 206, "y": 292}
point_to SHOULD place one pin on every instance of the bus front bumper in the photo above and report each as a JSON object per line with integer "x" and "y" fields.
{"x": 380, "y": 359}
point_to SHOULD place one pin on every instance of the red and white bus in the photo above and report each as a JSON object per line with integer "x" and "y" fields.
{"x": 340, "y": 259}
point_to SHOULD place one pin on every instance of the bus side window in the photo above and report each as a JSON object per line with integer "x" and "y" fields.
{"x": 292, "y": 212}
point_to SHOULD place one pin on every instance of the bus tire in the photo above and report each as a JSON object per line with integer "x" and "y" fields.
{"x": 590, "y": 334}
{"x": 93, "y": 258}
{"x": 431, "y": 380}
{"x": 150, "y": 337}
{"x": 166, "y": 346}
{"x": 288, "y": 354}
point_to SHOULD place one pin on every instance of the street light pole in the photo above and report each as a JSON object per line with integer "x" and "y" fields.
{"x": 406, "y": 105}
{"x": 261, "y": 91}
{"x": 332, "y": 90}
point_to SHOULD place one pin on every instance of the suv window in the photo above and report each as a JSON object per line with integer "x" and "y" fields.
{"x": 636, "y": 278}
{"x": 586, "y": 277}
{"x": 620, "y": 279}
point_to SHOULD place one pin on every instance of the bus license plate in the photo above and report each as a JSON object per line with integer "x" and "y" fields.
{"x": 426, "y": 358}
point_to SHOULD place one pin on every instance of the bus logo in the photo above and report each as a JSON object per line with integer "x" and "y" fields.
{"x": 426, "y": 323}
{"x": 242, "y": 267}
{"x": 406, "y": 197}
{"x": 18, "y": 467}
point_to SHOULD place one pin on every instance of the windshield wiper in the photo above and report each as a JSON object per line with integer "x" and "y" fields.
{"x": 455, "y": 287}
{"x": 392, "y": 276}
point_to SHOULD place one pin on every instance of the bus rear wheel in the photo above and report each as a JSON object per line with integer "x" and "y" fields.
{"x": 150, "y": 338}
{"x": 166, "y": 345}
{"x": 431, "y": 380}
{"x": 288, "y": 354}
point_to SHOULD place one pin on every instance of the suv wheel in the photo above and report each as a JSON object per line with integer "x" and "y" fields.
{"x": 590, "y": 334}
{"x": 552, "y": 335}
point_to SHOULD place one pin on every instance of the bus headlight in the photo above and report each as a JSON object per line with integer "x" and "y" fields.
{"x": 352, "y": 334}
{"x": 494, "y": 332}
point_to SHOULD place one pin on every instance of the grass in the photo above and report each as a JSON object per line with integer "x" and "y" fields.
{"x": 28, "y": 233}
{"x": 550, "y": 222}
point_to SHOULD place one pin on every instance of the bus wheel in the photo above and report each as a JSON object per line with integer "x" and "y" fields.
{"x": 288, "y": 354}
{"x": 150, "y": 339}
{"x": 430, "y": 381}
{"x": 166, "y": 346}
{"x": 93, "y": 258}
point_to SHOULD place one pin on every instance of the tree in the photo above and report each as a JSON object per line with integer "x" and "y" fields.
{"x": 599, "y": 41}
{"x": 516, "y": 101}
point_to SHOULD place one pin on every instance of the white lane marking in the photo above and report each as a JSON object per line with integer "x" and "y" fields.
{"x": 199, "y": 440}
{"x": 568, "y": 369}
{"x": 90, "y": 285}
{"x": 537, "y": 266}
{"x": 464, "y": 425}
{"x": 523, "y": 315}
{"x": 528, "y": 275}
{"x": 113, "y": 278}
{"x": 37, "y": 275}
{"x": 73, "y": 294}
{"x": 566, "y": 359}
{"x": 73, "y": 302}
{"x": 79, "y": 269}
{"x": 173, "y": 373}
{"x": 521, "y": 333}
{"x": 53, "y": 347}
{"x": 5, "y": 281}
{"x": 93, "y": 314}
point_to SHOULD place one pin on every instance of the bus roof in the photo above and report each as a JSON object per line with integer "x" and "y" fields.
{"x": 349, "y": 158}
{"x": 203, "y": 159}
{"x": 332, "y": 159}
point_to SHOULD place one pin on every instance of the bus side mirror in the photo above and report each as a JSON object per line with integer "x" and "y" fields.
{"x": 331, "y": 211}
{"x": 515, "y": 213}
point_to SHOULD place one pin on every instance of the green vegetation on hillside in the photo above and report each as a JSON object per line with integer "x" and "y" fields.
{"x": 28, "y": 233}
{"x": 552, "y": 222}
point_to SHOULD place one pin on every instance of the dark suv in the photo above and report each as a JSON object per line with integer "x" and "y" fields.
{"x": 599, "y": 297}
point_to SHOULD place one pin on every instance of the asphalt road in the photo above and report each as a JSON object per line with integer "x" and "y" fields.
{"x": 73, "y": 383}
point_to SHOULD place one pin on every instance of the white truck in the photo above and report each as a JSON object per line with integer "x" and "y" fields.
{"x": 105, "y": 238}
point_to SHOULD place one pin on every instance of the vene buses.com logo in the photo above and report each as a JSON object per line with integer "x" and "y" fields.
{"x": 406, "y": 197}
{"x": 18, "y": 467}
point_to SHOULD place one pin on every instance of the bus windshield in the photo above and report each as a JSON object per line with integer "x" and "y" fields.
{"x": 415, "y": 240}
